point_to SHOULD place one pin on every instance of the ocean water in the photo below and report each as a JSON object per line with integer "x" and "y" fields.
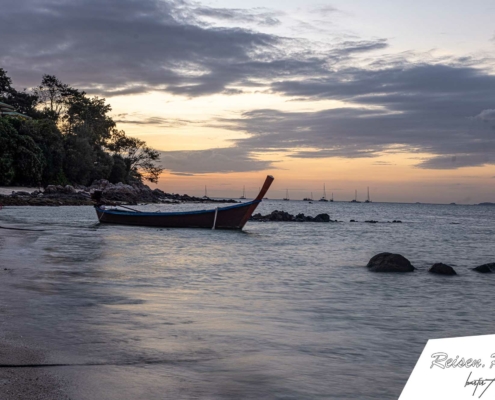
{"x": 277, "y": 311}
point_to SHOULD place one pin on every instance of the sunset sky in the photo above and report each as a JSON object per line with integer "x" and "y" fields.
{"x": 395, "y": 95}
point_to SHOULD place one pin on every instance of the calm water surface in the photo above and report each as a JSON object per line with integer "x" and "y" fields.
{"x": 278, "y": 311}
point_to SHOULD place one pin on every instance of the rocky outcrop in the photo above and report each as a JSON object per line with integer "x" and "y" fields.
{"x": 442, "y": 269}
{"x": 388, "y": 262}
{"x": 112, "y": 194}
{"x": 485, "y": 268}
{"x": 283, "y": 216}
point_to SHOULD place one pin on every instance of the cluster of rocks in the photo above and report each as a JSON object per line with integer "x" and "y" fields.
{"x": 284, "y": 216}
{"x": 389, "y": 262}
{"x": 120, "y": 193}
{"x": 55, "y": 196}
{"x": 372, "y": 221}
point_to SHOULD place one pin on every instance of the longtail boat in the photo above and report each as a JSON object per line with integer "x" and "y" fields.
{"x": 231, "y": 217}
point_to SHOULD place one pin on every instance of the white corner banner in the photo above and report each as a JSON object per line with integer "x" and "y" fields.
{"x": 455, "y": 369}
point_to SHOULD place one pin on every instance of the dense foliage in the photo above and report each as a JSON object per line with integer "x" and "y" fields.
{"x": 70, "y": 139}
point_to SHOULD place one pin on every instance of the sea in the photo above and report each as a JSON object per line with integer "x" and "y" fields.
{"x": 280, "y": 310}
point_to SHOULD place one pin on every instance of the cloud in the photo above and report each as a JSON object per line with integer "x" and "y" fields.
{"x": 383, "y": 163}
{"x": 486, "y": 115}
{"x": 388, "y": 104}
{"x": 324, "y": 10}
{"x": 138, "y": 119}
{"x": 262, "y": 17}
{"x": 127, "y": 46}
{"x": 123, "y": 47}
{"x": 183, "y": 174}
{"x": 223, "y": 160}
{"x": 436, "y": 109}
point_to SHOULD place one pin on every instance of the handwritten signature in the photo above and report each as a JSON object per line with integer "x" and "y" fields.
{"x": 480, "y": 382}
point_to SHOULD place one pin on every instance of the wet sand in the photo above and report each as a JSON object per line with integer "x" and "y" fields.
{"x": 22, "y": 375}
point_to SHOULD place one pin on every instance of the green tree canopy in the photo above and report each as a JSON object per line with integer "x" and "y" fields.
{"x": 71, "y": 139}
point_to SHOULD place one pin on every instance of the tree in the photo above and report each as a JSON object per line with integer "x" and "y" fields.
{"x": 21, "y": 160}
{"x": 7, "y": 144}
{"x": 55, "y": 96}
{"x": 5, "y": 84}
{"x": 49, "y": 139}
{"x": 88, "y": 118}
{"x": 139, "y": 158}
{"x": 23, "y": 102}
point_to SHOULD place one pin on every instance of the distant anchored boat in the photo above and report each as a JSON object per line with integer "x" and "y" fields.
{"x": 286, "y": 198}
{"x": 231, "y": 217}
{"x": 355, "y": 198}
{"x": 368, "y": 200}
{"x": 309, "y": 198}
{"x": 324, "y": 197}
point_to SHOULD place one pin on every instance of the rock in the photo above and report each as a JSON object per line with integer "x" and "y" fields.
{"x": 388, "y": 262}
{"x": 50, "y": 189}
{"x": 371, "y": 221}
{"x": 69, "y": 189}
{"x": 21, "y": 193}
{"x": 352, "y": 220}
{"x": 442, "y": 269}
{"x": 159, "y": 193}
{"x": 485, "y": 268}
{"x": 322, "y": 218}
{"x": 301, "y": 217}
{"x": 396, "y": 221}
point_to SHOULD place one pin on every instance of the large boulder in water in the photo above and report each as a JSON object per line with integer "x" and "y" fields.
{"x": 322, "y": 218}
{"x": 485, "y": 268}
{"x": 388, "y": 262}
{"x": 442, "y": 269}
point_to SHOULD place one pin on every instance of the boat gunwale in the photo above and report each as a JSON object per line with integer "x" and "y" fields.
{"x": 194, "y": 212}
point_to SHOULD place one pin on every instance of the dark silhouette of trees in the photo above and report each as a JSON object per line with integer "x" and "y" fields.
{"x": 71, "y": 139}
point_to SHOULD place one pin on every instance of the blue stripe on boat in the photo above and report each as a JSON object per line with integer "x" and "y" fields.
{"x": 119, "y": 212}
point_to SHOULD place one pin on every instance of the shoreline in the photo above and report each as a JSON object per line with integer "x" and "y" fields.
{"x": 22, "y": 375}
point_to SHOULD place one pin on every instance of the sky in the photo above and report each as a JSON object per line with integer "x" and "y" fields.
{"x": 397, "y": 96}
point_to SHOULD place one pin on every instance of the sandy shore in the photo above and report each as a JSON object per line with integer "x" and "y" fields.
{"x": 6, "y": 190}
{"x": 23, "y": 377}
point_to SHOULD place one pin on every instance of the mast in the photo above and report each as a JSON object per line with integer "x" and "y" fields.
{"x": 324, "y": 192}
{"x": 368, "y": 194}
{"x": 332, "y": 197}
{"x": 355, "y": 195}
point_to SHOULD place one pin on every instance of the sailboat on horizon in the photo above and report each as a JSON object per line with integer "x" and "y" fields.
{"x": 309, "y": 198}
{"x": 206, "y": 194}
{"x": 355, "y": 198}
{"x": 368, "y": 200}
{"x": 286, "y": 198}
{"x": 243, "y": 197}
{"x": 324, "y": 197}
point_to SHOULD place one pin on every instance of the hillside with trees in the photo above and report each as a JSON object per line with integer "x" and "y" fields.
{"x": 67, "y": 138}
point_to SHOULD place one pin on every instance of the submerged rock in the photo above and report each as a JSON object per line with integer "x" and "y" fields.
{"x": 284, "y": 216}
{"x": 485, "y": 268}
{"x": 442, "y": 269}
{"x": 388, "y": 262}
{"x": 322, "y": 218}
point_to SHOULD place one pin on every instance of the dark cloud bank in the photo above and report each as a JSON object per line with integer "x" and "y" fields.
{"x": 124, "y": 47}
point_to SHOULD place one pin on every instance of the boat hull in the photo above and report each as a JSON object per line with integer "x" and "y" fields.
{"x": 231, "y": 217}
{"x": 226, "y": 217}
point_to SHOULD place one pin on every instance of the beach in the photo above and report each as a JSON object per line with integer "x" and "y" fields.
{"x": 280, "y": 310}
